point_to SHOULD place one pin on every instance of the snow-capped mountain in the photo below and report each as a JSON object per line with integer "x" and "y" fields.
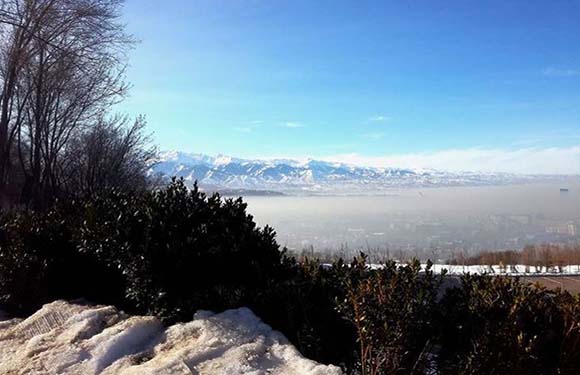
{"x": 284, "y": 175}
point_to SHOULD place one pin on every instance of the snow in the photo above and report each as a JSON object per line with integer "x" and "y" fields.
{"x": 506, "y": 270}
{"x": 318, "y": 175}
{"x": 75, "y": 338}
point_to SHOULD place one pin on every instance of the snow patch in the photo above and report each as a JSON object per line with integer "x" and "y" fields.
{"x": 69, "y": 338}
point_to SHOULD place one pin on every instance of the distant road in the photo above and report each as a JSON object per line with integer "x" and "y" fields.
{"x": 569, "y": 283}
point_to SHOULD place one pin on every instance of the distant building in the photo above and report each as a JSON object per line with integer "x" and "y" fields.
{"x": 557, "y": 229}
{"x": 521, "y": 219}
{"x": 572, "y": 229}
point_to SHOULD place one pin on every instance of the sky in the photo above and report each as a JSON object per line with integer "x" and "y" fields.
{"x": 455, "y": 85}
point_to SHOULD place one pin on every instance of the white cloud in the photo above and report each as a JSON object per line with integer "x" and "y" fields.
{"x": 249, "y": 128}
{"x": 373, "y": 136}
{"x": 379, "y": 118}
{"x": 555, "y": 72}
{"x": 525, "y": 160}
{"x": 293, "y": 125}
{"x": 243, "y": 129}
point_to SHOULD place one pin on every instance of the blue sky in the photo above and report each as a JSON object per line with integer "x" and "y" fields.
{"x": 368, "y": 82}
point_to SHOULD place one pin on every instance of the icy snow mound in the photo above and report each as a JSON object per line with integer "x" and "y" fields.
{"x": 68, "y": 338}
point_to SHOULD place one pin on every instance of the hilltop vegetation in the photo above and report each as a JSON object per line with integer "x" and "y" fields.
{"x": 174, "y": 251}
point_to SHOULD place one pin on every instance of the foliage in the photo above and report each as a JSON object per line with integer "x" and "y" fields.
{"x": 174, "y": 251}
{"x": 181, "y": 250}
{"x": 168, "y": 252}
{"x": 39, "y": 262}
{"x": 303, "y": 306}
{"x": 497, "y": 325}
{"x": 394, "y": 310}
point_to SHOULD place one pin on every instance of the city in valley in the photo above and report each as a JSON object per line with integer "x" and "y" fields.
{"x": 438, "y": 223}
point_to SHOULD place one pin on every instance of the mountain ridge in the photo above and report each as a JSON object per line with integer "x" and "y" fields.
{"x": 315, "y": 176}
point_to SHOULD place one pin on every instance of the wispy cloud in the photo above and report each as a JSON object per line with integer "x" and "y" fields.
{"x": 379, "y": 118}
{"x": 548, "y": 137}
{"x": 243, "y": 129}
{"x": 251, "y": 126}
{"x": 556, "y": 72}
{"x": 555, "y": 160}
{"x": 374, "y": 135}
{"x": 248, "y": 127}
{"x": 293, "y": 125}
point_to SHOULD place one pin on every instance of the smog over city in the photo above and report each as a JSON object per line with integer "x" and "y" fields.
{"x": 441, "y": 221}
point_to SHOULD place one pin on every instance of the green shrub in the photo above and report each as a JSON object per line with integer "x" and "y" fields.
{"x": 497, "y": 325}
{"x": 181, "y": 250}
{"x": 569, "y": 350}
{"x": 303, "y": 306}
{"x": 168, "y": 252}
{"x": 39, "y": 262}
{"x": 174, "y": 251}
{"x": 394, "y": 310}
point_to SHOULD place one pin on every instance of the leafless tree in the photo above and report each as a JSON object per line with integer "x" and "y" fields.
{"x": 112, "y": 155}
{"x": 16, "y": 30}
{"x": 63, "y": 67}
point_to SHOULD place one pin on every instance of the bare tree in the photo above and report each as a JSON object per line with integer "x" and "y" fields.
{"x": 17, "y": 28}
{"x": 65, "y": 66}
{"x": 112, "y": 155}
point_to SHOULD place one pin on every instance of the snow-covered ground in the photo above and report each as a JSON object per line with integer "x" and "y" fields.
{"x": 69, "y": 338}
{"x": 510, "y": 270}
{"x": 507, "y": 270}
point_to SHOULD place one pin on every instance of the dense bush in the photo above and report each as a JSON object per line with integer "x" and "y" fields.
{"x": 180, "y": 250}
{"x": 39, "y": 262}
{"x": 484, "y": 325}
{"x": 168, "y": 253}
{"x": 304, "y": 307}
{"x": 394, "y": 310}
{"x": 174, "y": 251}
{"x": 496, "y": 325}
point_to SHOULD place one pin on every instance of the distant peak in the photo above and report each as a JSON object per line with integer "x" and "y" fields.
{"x": 310, "y": 174}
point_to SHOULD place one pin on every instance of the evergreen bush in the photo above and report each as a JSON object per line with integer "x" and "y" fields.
{"x": 394, "y": 310}
{"x": 499, "y": 325}
{"x": 174, "y": 251}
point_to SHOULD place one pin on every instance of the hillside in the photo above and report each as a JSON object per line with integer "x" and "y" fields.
{"x": 74, "y": 338}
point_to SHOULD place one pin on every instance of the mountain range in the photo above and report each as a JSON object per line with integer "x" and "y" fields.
{"x": 310, "y": 176}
